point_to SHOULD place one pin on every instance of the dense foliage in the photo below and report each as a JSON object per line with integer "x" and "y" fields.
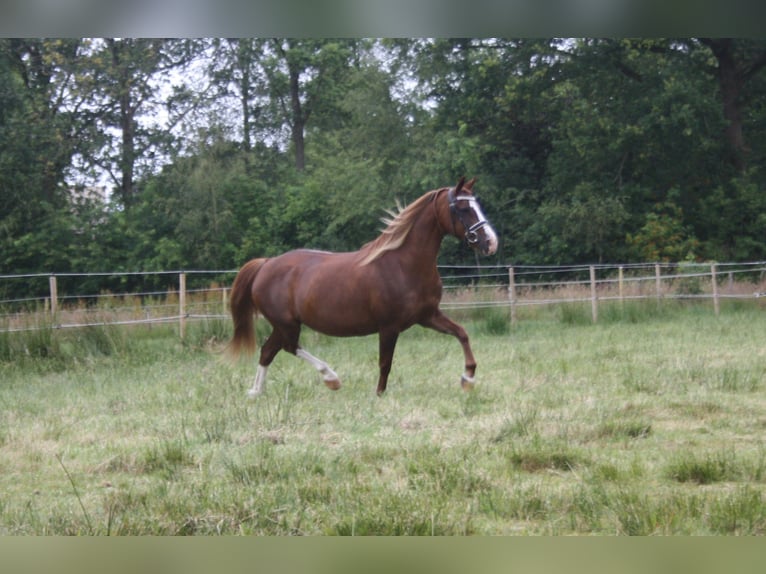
{"x": 215, "y": 151}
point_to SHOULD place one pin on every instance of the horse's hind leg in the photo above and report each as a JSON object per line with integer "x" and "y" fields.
{"x": 259, "y": 383}
{"x": 290, "y": 335}
{"x": 269, "y": 350}
{"x": 287, "y": 338}
{"x": 329, "y": 376}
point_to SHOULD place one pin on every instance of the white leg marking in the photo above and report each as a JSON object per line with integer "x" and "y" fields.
{"x": 260, "y": 382}
{"x": 330, "y": 377}
{"x": 327, "y": 373}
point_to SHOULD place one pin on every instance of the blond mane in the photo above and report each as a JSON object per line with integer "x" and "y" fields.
{"x": 398, "y": 226}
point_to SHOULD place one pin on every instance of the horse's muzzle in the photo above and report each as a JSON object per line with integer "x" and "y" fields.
{"x": 481, "y": 236}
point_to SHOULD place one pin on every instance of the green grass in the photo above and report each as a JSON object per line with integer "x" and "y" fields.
{"x": 642, "y": 424}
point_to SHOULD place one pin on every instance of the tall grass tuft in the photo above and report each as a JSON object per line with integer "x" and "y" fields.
{"x": 538, "y": 457}
{"x": 574, "y": 314}
{"x": 98, "y": 340}
{"x": 706, "y": 469}
{"x": 742, "y": 513}
{"x": 624, "y": 428}
{"x": 522, "y": 424}
{"x": 167, "y": 458}
{"x": 7, "y": 346}
{"x": 41, "y": 342}
{"x": 208, "y": 333}
{"x": 494, "y": 321}
{"x": 631, "y": 312}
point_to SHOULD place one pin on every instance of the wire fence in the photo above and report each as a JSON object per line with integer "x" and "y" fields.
{"x": 78, "y": 300}
{"x": 523, "y": 286}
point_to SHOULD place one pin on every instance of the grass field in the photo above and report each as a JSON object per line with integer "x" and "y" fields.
{"x": 650, "y": 422}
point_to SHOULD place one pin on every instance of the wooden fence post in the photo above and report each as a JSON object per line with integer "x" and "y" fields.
{"x": 53, "y": 285}
{"x": 620, "y": 284}
{"x": 658, "y": 282}
{"x": 512, "y": 294}
{"x": 224, "y": 301}
{"x": 182, "y": 304}
{"x": 593, "y": 295}
{"x": 714, "y": 281}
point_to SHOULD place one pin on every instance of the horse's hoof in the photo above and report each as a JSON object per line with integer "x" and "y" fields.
{"x": 467, "y": 384}
{"x": 253, "y": 393}
{"x": 332, "y": 384}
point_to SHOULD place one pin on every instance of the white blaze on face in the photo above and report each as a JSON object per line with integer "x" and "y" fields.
{"x": 486, "y": 228}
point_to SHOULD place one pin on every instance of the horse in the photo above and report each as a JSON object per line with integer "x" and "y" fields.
{"x": 386, "y": 287}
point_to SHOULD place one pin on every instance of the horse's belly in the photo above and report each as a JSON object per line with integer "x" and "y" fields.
{"x": 343, "y": 331}
{"x": 339, "y": 320}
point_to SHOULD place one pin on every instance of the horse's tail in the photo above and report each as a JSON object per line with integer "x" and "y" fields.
{"x": 243, "y": 309}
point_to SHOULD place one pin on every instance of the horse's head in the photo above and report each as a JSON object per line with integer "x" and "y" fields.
{"x": 467, "y": 218}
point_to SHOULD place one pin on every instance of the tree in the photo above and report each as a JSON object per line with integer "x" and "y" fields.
{"x": 41, "y": 71}
{"x": 664, "y": 236}
{"x": 208, "y": 211}
{"x": 359, "y": 165}
{"x": 738, "y": 61}
{"x": 125, "y": 78}
{"x": 637, "y": 121}
{"x": 582, "y": 139}
{"x": 37, "y": 141}
{"x": 236, "y": 68}
{"x": 587, "y": 149}
{"x": 305, "y": 79}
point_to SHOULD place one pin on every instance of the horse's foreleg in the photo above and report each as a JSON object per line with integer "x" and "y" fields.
{"x": 440, "y": 322}
{"x": 387, "y": 344}
{"x": 329, "y": 376}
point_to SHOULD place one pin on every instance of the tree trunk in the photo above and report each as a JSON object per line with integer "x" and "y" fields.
{"x": 244, "y": 61}
{"x": 127, "y": 161}
{"x": 246, "y": 111}
{"x": 731, "y": 79}
{"x": 299, "y": 122}
{"x": 126, "y": 121}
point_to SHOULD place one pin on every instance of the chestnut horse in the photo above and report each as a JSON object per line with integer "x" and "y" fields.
{"x": 386, "y": 287}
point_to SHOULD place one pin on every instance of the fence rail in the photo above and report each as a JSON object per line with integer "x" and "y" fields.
{"x": 466, "y": 287}
{"x": 518, "y": 287}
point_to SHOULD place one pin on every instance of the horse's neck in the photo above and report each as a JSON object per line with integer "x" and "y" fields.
{"x": 424, "y": 240}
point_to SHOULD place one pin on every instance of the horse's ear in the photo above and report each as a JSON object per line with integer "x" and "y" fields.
{"x": 459, "y": 185}
{"x": 469, "y": 185}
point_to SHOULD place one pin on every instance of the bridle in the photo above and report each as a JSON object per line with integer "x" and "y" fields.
{"x": 470, "y": 231}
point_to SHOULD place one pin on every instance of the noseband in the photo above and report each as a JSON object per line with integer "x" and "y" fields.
{"x": 470, "y": 231}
